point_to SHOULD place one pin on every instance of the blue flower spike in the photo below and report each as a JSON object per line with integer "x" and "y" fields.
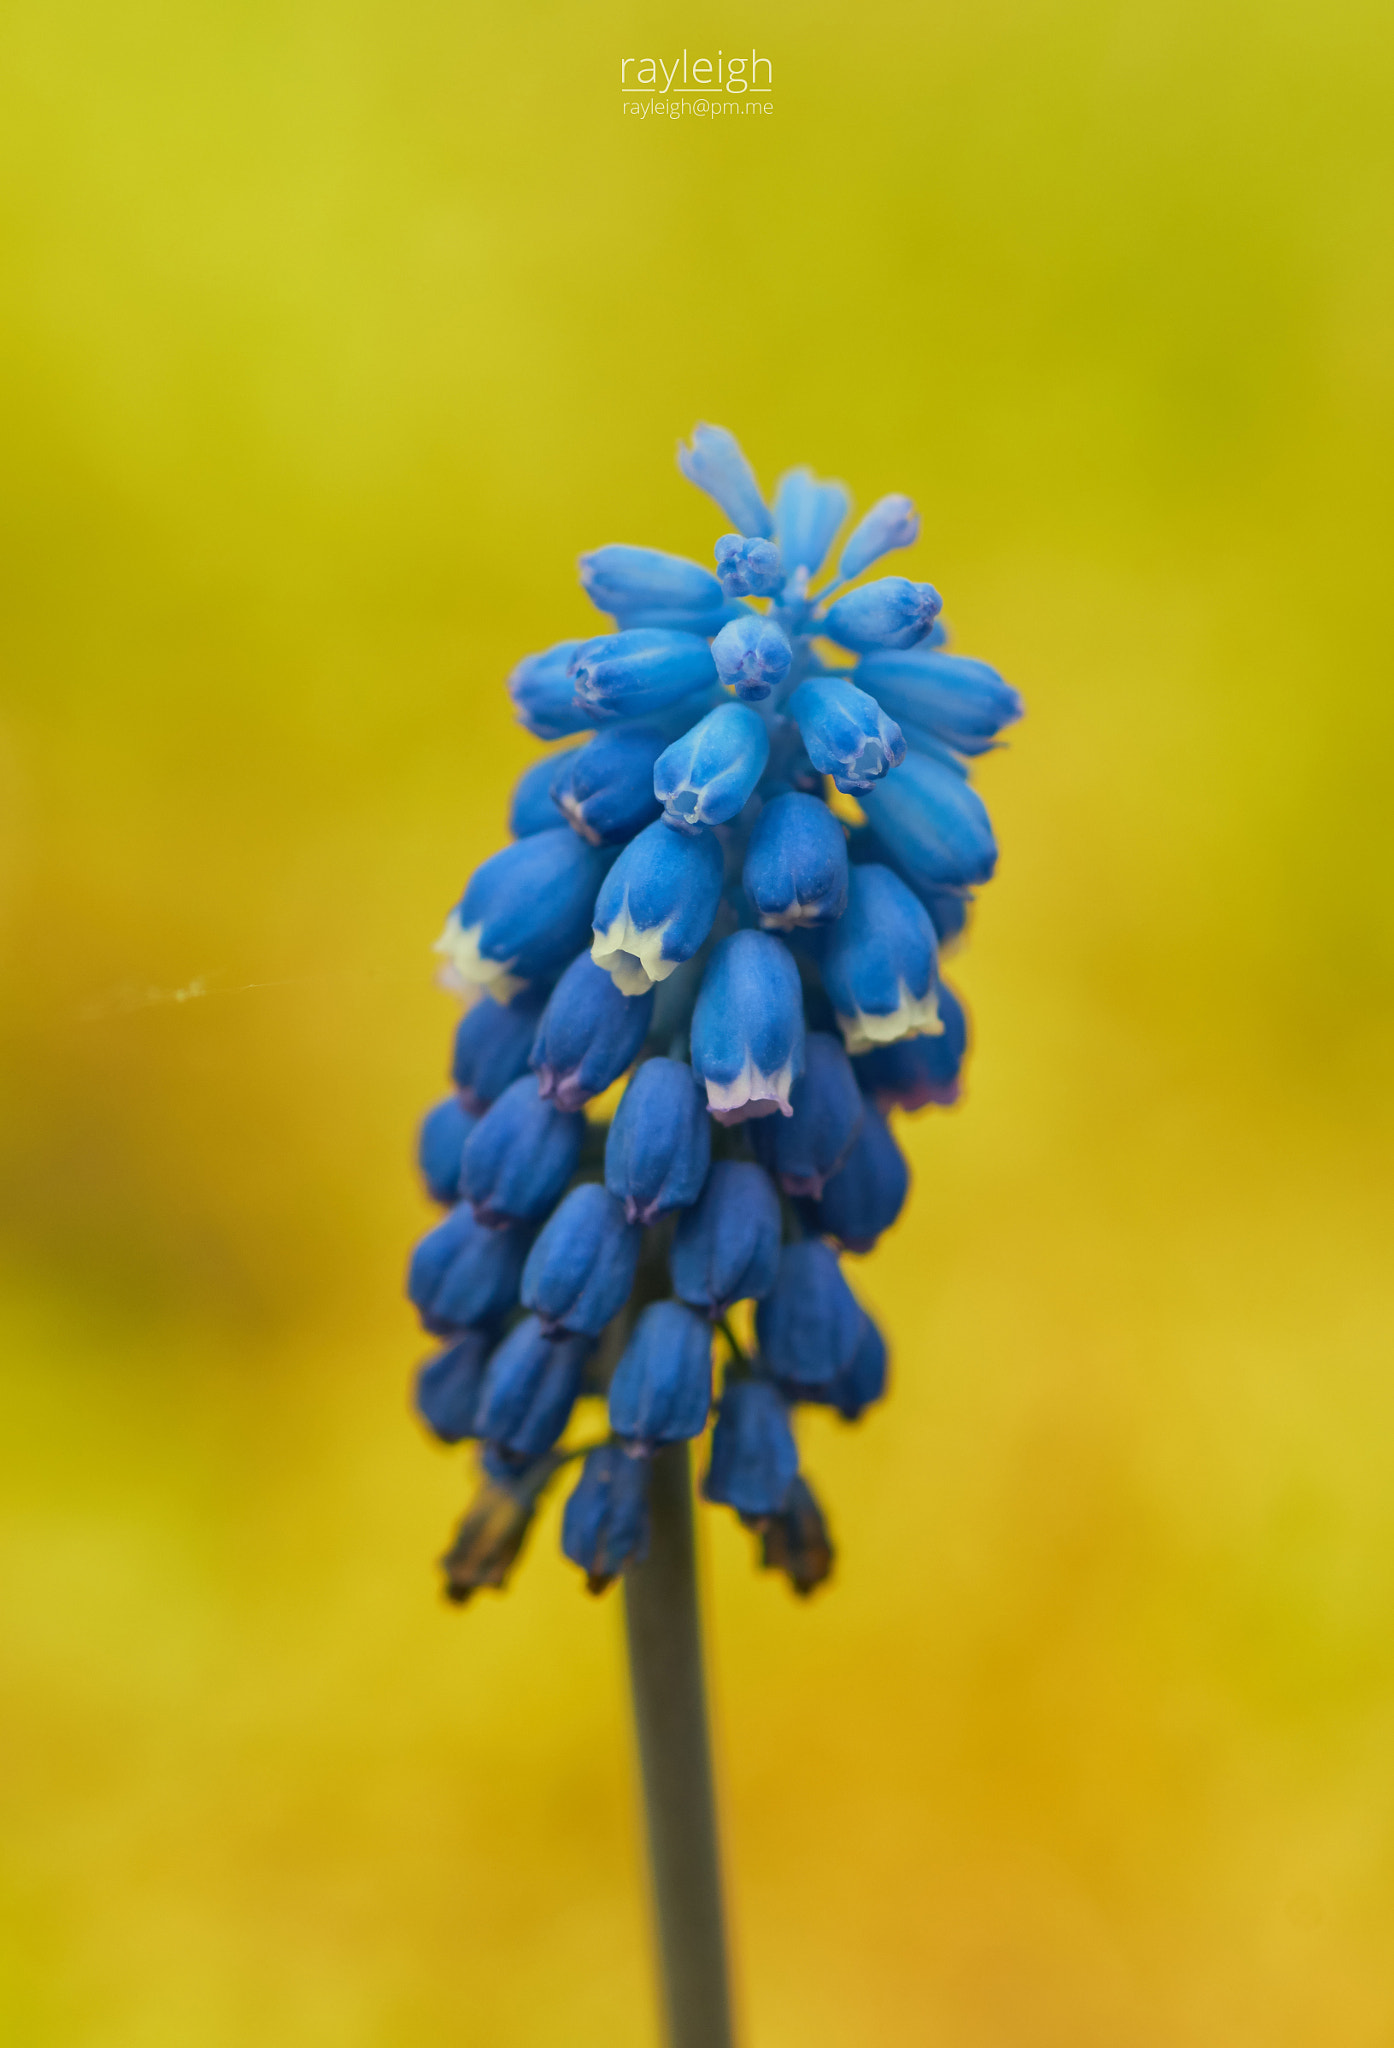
{"x": 752, "y": 655}
{"x": 748, "y": 1028}
{"x": 710, "y": 774}
{"x": 656, "y": 906}
{"x": 716, "y": 465}
{"x": 684, "y": 918}
{"x": 847, "y": 734}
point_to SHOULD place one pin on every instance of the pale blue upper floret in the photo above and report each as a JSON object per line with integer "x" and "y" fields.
{"x": 807, "y": 515}
{"x": 710, "y": 774}
{"x": 656, "y": 906}
{"x": 623, "y": 579}
{"x": 892, "y": 612}
{"x": 627, "y": 675}
{"x": 891, "y": 523}
{"x": 752, "y": 655}
{"x": 717, "y": 466}
{"x": 943, "y": 698}
{"x": 748, "y": 1027}
{"x": 937, "y": 825}
{"x": 880, "y": 962}
{"x": 525, "y": 913}
{"x": 748, "y": 568}
{"x": 796, "y": 864}
{"x": 847, "y": 734}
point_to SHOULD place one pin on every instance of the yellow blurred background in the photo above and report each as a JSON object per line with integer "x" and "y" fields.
{"x": 333, "y": 331}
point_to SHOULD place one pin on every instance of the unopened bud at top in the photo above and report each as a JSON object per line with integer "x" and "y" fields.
{"x": 892, "y": 522}
{"x": 717, "y": 466}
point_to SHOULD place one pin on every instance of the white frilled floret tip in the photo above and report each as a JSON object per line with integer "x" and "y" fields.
{"x": 692, "y": 931}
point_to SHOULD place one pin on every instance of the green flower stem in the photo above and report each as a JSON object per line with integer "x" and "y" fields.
{"x": 667, "y": 1681}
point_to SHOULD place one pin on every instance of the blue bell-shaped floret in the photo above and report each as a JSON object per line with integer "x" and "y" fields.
{"x": 605, "y": 790}
{"x": 796, "y": 864}
{"x": 588, "y": 1035}
{"x": 943, "y": 698}
{"x": 660, "y": 619}
{"x": 807, "y": 514}
{"x": 605, "y": 1524}
{"x": 749, "y": 568}
{"x": 463, "y": 1275}
{"x": 492, "y": 1043}
{"x": 937, "y": 825}
{"x": 805, "y": 1150}
{"x": 892, "y": 522}
{"x": 544, "y": 696}
{"x": 530, "y": 1389}
{"x": 709, "y": 775}
{"x": 892, "y": 612}
{"x": 748, "y": 1027}
{"x": 880, "y": 963}
{"x": 440, "y": 1143}
{"x": 754, "y": 1459}
{"x": 864, "y": 1380}
{"x": 446, "y": 1394}
{"x": 716, "y": 465}
{"x": 519, "y": 1156}
{"x": 656, "y": 906}
{"x": 659, "y": 1146}
{"x": 525, "y": 913}
{"x": 868, "y": 1193}
{"x": 726, "y": 1249}
{"x": 532, "y": 809}
{"x": 913, "y": 1072}
{"x": 751, "y": 656}
{"x": 628, "y": 675}
{"x": 579, "y": 1273}
{"x": 847, "y": 734}
{"x": 624, "y": 579}
{"x": 810, "y": 1324}
{"x": 662, "y": 1388}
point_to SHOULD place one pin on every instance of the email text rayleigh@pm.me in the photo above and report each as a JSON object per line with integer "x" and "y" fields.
{"x": 725, "y": 74}
{"x": 687, "y": 104}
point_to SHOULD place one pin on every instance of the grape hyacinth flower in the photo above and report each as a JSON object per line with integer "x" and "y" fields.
{"x": 684, "y": 908}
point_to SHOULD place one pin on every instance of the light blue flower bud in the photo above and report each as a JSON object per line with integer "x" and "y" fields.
{"x": 716, "y": 465}
{"x": 581, "y": 1269}
{"x": 749, "y": 568}
{"x": 626, "y": 675}
{"x": 525, "y": 913}
{"x": 605, "y": 1523}
{"x": 625, "y": 579}
{"x": 662, "y": 1389}
{"x": 588, "y": 1035}
{"x": 726, "y": 1249}
{"x": 941, "y": 697}
{"x": 880, "y": 962}
{"x": 748, "y": 1028}
{"x": 914, "y": 1072}
{"x": 948, "y": 904}
{"x": 656, "y": 906}
{"x": 492, "y": 1043}
{"x": 807, "y": 515}
{"x": 544, "y": 695}
{"x": 463, "y": 1275}
{"x": 709, "y": 774}
{"x": 754, "y": 1460}
{"x": 868, "y": 1193}
{"x": 805, "y": 1150}
{"x": 752, "y": 655}
{"x": 532, "y": 809}
{"x": 663, "y": 619}
{"x": 810, "y": 1324}
{"x": 796, "y": 864}
{"x": 446, "y": 1394}
{"x": 659, "y": 1147}
{"x": 530, "y": 1389}
{"x": 605, "y": 790}
{"x": 519, "y": 1156}
{"x": 937, "y": 825}
{"x": 892, "y": 612}
{"x": 444, "y": 1130}
{"x": 892, "y": 522}
{"x": 847, "y": 734}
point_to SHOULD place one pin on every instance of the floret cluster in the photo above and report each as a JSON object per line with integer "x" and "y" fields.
{"x": 733, "y": 884}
